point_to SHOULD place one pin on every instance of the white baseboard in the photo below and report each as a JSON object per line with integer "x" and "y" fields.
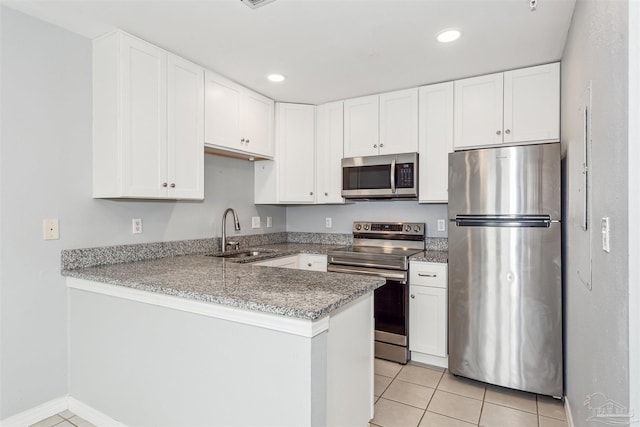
{"x": 38, "y": 413}
{"x": 441, "y": 362}
{"x": 92, "y": 415}
{"x": 567, "y": 412}
{"x": 53, "y": 407}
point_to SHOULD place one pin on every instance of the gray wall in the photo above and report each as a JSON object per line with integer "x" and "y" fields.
{"x": 45, "y": 164}
{"x": 312, "y": 218}
{"x": 596, "y": 321}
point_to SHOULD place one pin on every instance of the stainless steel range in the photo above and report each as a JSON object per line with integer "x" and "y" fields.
{"x": 383, "y": 249}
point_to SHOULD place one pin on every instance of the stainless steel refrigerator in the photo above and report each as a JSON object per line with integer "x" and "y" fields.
{"x": 505, "y": 271}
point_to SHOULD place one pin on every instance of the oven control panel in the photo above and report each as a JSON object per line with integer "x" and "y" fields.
{"x": 389, "y": 228}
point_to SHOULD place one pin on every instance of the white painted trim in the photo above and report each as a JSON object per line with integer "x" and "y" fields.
{"x": 290, "y": 325}
{"x": 35, "y": 414}
{"x": 429, "y": 359}
{"x": 90, "y": 414}
{"x": 567, "y": 412}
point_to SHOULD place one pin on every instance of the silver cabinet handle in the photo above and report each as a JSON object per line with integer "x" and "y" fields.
{"x": 413, "y": 296}
{"x": 242, "y": 140}
{"x": 164, "y": 184}
{"x": 248, "y": 140}
{"x": 326, "y": 194}
{"x": 427, "y": 275}
{"x": 309, "y": 265}
{"x": 173, "y": 185}
{"x": 375, "y": 145}
{"x": 498, "y": 132}
{"x": 508, "y": 131}
{"x": 311, "y": 193}
{"x": 381, "y": 145}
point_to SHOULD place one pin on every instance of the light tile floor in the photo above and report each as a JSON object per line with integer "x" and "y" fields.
{"x": 63, "y": 419}
{"x": 417, "y": 395}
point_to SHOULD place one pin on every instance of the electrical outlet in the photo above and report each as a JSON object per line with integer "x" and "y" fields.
{"x": 328, "y": 223}
{"x": 255, "y": 222}
{"x": 269, "y": 222}
{"x": 50, "y": 229}
{"x": 136, "y": 225}
{"x": 441, "y": 225}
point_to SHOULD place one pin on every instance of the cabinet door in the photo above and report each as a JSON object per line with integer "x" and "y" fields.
{"x": 435, "y": 142}
{"x": 428, "y": 320}
{"x": 312, "y": 262}
{"x": 222, "y": 112}
{"x": 478, "y": 111}
{"x": 185, "y": 113}
{"x": 295, "y": 136}
{"x": 532, "y": 104}
{"x": 256, "y": 123}
{"x": 329, "y": 145}
{"x": 361, "y": 126}
{"x": 144, "y": 119}
{"x": 399, "y": 122}
{"x": 285, "y": 262}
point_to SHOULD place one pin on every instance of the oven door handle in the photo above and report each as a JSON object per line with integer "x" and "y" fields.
{"x": 396, "y": 276}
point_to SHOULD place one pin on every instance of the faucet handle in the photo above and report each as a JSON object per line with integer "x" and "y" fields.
{"x": 234, "y": 245}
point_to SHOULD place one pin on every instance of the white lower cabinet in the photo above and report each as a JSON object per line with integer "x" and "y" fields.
{"x": 310, "y": 262}
{"x": 428, "y": 313}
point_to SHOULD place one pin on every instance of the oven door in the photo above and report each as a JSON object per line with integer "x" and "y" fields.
{"x": 391, "y": 311}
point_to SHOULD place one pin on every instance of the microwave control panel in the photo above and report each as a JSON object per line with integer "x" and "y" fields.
{"x": 404, "y": 175}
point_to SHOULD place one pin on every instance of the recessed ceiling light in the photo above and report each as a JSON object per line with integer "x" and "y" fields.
{"x": 448, "y": 35}
{"x": 277, "y": 78}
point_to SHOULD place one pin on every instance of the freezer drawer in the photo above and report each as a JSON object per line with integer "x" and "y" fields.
{"x": 505, "y": 306}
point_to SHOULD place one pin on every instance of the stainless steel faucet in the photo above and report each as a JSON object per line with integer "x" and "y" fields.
{"x": 224, "y": 227}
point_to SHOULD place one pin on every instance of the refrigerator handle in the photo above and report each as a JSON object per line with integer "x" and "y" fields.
{"x": 530, "y": 221}
{"x": 393, "y": 175}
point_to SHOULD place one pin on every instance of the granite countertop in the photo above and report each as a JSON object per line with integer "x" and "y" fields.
{"x": 301, "y": 294}
{"x": 431, "y": 256}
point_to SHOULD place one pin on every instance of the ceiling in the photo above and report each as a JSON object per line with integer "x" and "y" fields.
{"x": 330, "y": 49}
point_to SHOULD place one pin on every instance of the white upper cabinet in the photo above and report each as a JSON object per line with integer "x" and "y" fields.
{"x": 237, "y": 120}
{"x": 148, "y": 113}
{"x": 329, "y": 145}
{"x": 381, "y": 124}
{"x": 290, "y": 177}
{"x": 361, "y": 126}
{"x": 399, "y": 122}
{"x": 295, "y": 136}
{"x": 532, "y": 104}
{"x": 517, "y": 106}
{"x": 435, "y": 141}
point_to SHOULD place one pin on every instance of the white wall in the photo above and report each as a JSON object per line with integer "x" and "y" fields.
{"x": 45, "y": 172}
{"x": 312, "y": 218}
{"x": 597, "y": 320}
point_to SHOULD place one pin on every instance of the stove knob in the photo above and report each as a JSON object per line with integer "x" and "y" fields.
{"x": 407, "y": 228}
{"x": 366, "y": 227}
{"x": 358, "y": 227}
{"x": 416, "y": 228}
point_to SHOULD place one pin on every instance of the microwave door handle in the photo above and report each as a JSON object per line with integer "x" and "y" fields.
{"x": 393, "y": 176}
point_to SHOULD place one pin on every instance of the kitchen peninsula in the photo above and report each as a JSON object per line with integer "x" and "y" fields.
{"x": 200, "y": 340}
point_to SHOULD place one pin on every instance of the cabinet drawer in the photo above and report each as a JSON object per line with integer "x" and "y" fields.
{"x": 428, "y": 274}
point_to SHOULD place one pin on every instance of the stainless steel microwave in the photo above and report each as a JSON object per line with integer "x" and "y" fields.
{"x": 389, "y": 176}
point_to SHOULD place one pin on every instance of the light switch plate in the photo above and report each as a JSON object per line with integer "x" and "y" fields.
{"x": 328, "y": 223}
{"x": 255, "y": 222}
{"x": 605, "y": 234}
{"x": 50, "y": 229}
{"x": 269, "y": 222}
{"x": 441, "y": 225}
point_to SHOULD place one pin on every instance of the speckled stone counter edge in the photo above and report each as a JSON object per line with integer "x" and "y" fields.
{"x": 72, "y": 259}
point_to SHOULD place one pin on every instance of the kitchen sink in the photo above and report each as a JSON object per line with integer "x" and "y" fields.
{"x": 244, "y": 254}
